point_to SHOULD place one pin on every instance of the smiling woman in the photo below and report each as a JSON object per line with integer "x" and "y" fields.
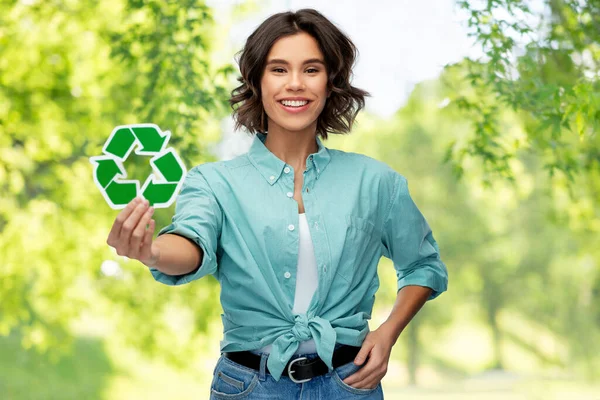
{"x": 294, "y": 231}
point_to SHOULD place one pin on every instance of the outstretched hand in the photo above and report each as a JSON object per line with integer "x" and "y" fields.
{"x": 129, "y": 235}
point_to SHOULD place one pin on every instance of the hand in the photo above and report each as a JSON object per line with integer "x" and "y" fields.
{"x": 129, "y": 235}
{"x": 377, "y": 346}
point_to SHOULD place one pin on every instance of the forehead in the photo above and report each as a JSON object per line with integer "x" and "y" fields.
{"x": 295, "y": 48}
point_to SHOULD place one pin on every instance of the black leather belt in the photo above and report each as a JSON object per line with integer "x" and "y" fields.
{"x": 298, "y": 369}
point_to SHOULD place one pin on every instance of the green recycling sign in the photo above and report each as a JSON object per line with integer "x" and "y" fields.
{"x": 160, "y": 188}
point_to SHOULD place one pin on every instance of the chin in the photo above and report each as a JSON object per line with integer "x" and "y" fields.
{"x": 291, "y": 127}
{"x": 294, "y": 127}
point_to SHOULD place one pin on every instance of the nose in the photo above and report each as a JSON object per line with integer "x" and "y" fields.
{"x": 295, "y": 81}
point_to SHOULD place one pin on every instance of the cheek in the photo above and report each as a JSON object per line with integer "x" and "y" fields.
{"x": 265, "y": 96}
{"x": 265, "y": 91}
{"x": 321, "y": 107}
{"x": 321, "y": 89}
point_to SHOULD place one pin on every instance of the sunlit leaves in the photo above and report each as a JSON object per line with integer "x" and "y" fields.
{"x": 530, "y": 67}
{"x": 69, "y": 73}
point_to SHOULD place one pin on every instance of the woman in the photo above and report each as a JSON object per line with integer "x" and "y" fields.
{"x": 293, "y": 231}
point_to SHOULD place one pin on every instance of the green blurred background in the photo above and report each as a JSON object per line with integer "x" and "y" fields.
{"x": 501, "y": 152}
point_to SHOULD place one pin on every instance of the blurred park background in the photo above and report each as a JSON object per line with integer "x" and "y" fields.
{"x": 491, "y": 109}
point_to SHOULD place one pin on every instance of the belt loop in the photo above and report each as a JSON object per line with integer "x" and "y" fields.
{"x": 262, "y": 373}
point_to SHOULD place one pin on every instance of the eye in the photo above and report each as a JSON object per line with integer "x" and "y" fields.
{"x": 281, "y": 70}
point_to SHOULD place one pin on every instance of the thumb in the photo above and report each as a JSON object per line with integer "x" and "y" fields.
{"x": 363, "y": 353}
{"x": 149, "y": 253}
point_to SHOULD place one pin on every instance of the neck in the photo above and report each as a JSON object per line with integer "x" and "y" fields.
{"x": 293, "y": 148}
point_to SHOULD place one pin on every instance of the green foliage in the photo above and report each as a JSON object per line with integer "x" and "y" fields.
{"x": 69, "y": 73}
{"x": 548, "y": 73}
{"x": 81, "y": 375}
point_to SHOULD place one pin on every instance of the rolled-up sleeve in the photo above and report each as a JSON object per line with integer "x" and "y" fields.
{"x": 197, "y": 217}
{"x": 408, "y": 241}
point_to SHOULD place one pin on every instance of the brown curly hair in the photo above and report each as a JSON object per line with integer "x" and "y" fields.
{"x": 345, "y": 101}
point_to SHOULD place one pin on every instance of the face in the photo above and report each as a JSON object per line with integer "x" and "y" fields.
{"x": 292, "y": 76}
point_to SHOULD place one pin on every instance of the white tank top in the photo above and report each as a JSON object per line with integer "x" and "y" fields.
{"x": 306, "y": 283}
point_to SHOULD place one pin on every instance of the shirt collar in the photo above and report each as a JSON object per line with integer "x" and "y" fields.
{"x": 271, "y": 167}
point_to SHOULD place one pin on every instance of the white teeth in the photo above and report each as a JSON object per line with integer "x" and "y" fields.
{"x": 294, "y": 103}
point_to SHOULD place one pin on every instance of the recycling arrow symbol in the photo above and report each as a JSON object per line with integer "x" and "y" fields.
{"x": 160, "y": 188}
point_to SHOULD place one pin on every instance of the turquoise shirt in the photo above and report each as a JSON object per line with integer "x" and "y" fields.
{"x": 242, "y": 213}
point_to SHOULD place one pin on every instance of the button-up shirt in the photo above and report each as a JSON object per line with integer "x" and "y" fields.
{"x": 242, "y": 213}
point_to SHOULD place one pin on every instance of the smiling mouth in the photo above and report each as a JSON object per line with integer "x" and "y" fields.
{"x": 307, "y": 102}
{"x": 295, "y": 109}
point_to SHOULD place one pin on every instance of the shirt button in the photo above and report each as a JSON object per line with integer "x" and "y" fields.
{"x": 272, "y": 177}
{"x": 290, "y": 194}
{"x": 291, "y": 227}
{"x": 287, "y": 274}
{"x": 286, "y": 170}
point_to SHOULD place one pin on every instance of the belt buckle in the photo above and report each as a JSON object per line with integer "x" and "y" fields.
{"x": 290, "y": 371}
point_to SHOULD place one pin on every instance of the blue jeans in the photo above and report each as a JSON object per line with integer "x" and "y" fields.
{"x": 234, "y": 381}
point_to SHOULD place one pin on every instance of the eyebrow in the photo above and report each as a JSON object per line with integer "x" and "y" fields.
{"x": 309, "y": 61}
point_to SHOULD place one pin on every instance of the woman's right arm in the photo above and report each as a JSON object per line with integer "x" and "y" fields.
{"x": 131, "y": 236}
{"x": 177, "y": 255}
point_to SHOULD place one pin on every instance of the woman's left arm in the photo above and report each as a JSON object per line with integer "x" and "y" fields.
{"x": 408, "y": 241}
{"x": 378, "y": 344}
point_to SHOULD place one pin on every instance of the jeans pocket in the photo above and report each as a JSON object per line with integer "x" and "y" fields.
{"x": 344, "y": 371}
{"x": 232, "y": 380}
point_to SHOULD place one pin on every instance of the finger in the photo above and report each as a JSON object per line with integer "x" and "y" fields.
{"x": 138, "y": 233}
{"x": 360, "y": 357}
{"x": 362, "y": 373}
{"x": 146, "y": 249}
{"x": 363, "y": 353}
{"x": 369, "y": 383}
{"x": 115, "y": 231}
{"x": 129, "y": 225}
{"x": 356, "y": 377}
{"x": 377, "y": 372}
